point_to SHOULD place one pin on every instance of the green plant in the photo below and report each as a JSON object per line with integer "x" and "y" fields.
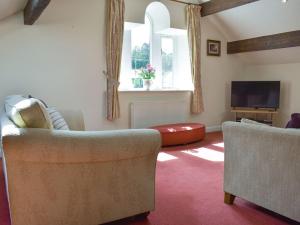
{"x": 147, "y": 73}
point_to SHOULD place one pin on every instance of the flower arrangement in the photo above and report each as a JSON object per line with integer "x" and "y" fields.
{"x": 147, "y": 73}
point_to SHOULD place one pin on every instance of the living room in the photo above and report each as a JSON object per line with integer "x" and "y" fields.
{"x": 62, "y": 59}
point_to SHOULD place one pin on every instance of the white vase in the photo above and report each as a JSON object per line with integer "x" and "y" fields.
{"x": 147, "y": 84}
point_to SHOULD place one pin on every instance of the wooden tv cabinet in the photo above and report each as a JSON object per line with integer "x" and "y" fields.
{"x": 261, "y": 115}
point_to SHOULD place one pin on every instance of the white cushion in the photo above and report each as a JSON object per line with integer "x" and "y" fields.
{"x": 244, "y": 120}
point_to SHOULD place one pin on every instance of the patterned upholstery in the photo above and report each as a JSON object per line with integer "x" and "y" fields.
{"x": 57, "y": 119}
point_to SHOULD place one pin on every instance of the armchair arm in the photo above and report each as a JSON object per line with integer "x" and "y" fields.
{"x": 53, "y": 146}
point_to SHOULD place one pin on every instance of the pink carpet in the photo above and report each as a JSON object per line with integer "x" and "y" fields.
{"x": 189, "y": 191}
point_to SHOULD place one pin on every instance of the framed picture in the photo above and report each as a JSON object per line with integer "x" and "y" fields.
{"x": 213, "y": 48}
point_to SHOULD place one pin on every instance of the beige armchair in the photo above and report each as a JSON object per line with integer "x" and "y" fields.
{"x": 262, "y": 165}
{"x": 78, "y": 177}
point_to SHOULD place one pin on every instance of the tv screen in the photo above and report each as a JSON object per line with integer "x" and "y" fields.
{"x": 255, "y": 94}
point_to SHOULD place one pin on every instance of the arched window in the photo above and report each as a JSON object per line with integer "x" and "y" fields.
{"x": 155, "y": 43}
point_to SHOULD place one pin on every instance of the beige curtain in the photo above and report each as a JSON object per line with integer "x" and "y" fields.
{"x": 193, "y": 15}
{"x": 114, "y": 42}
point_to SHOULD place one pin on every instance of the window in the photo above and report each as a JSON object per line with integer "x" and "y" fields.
{"x": 167, "y": 50}
{"x": 140, "y": 45}
{"x": 155, "y": 43}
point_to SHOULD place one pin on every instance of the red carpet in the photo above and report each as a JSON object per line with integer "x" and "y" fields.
{"x": 189, "y": 191}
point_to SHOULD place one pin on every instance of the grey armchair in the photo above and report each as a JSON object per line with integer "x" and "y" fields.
{"x": 262, "y": 165}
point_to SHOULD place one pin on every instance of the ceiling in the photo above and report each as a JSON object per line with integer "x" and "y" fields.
{"x": 10, "y": 7}
{"x": 260, "y": 18}
{"x": 252, "y": 20}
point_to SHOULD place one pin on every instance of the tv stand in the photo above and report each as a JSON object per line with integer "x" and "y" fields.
{"x": 260, "y": 115}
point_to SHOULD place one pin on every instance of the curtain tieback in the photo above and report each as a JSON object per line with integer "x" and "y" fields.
{"x": 111, "y": 81}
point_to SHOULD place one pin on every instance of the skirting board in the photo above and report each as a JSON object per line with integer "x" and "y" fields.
{"x": 213, "y": 129}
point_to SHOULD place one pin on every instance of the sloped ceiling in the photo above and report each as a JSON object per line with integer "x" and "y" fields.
{"x": 10, "y": 7}
{"x": 260, "y": 18}
{"x": 264, "y": 17}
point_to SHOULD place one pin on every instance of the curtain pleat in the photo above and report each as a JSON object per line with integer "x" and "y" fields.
{"x": 114, "y": 43}
{"x": 193, "y": 15}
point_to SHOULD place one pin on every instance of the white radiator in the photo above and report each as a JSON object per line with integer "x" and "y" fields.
{"x": 150, "y": 113}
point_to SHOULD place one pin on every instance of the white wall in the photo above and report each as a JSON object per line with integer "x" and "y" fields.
{"x": 289, "y": 75}
{"x": 60, "y": 60}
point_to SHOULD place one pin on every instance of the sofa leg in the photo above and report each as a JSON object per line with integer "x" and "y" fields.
{"x": 142, "y": 216}
{"x": 229, "y": 198}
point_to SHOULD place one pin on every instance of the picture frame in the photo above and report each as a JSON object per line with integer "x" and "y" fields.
{"x": 213, "y": 48}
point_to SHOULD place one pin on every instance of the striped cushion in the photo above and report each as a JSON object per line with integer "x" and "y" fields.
{"x": 58, "y": 121}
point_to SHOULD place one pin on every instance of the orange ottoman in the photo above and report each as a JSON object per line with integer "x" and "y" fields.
{"x": 181, "y": 133}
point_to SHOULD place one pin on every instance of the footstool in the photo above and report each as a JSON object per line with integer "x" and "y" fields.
{"x": 180, "y": 133}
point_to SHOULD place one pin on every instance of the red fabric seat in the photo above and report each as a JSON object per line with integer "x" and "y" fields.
{"x": 181, "y": 133}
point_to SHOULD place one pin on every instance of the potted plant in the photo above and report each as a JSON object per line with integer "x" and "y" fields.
{"x": 147, "y": 74}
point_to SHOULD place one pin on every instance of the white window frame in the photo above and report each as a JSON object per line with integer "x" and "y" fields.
{"x": 151, "y": 36}
{"x": 173, "y": 61}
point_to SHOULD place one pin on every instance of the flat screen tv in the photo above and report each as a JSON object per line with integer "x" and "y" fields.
{"x": 255, "y": 94}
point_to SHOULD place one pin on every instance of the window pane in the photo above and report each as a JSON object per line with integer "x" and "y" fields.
{"x": 167, "y": 50}
{"x": 140, "y": 45}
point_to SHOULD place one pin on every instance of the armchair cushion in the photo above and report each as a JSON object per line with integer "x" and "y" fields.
{"x": 244, "y": 120}
{"x": 27, "y": 112}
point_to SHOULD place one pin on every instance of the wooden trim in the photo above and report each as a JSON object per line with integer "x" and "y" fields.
{"x": 255, "y": 114}
{"x": 215, "y": 6}
{"x": 275, "y": 41}
{"x": 256, "y": 111}
{"x": 33, "y": 10}
{"x": 228, "y": 198}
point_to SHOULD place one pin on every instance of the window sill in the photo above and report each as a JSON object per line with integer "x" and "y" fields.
{"x": 154, "y": 90}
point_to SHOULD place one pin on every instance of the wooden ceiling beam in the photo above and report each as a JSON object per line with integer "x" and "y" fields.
{"x": 215, "y": 6}
{"x": 275, "y": 41}
{"x": 33, "y": 10}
